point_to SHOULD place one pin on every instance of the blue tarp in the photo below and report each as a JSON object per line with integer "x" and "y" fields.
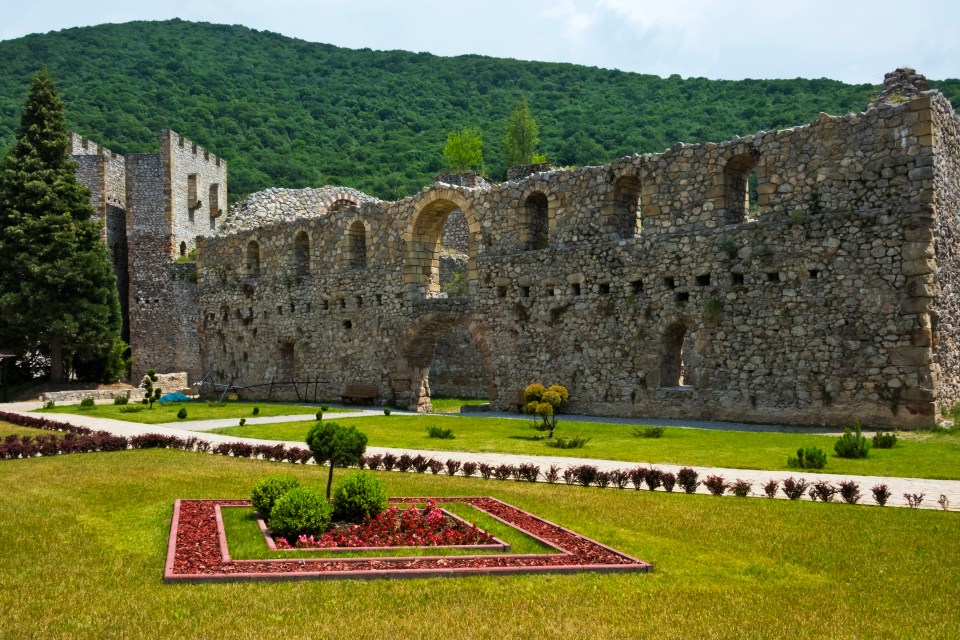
{"x": 174, "y": 397}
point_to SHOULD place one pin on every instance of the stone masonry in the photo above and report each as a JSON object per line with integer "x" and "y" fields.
{"x": 651, "y": 286}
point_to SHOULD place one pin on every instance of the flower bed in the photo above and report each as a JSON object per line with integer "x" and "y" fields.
{"x": 197, "y": 551}
{"x": 396, "y": 527}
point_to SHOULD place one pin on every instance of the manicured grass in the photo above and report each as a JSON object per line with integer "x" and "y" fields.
{"x": 7, "y": 429}
{"x": 84, "y": 540}
{"x": 444, "y": 404}
{"x": 916, "y": 455}
{"x": 198, "y": 410}
{"x": 246, "y": 542}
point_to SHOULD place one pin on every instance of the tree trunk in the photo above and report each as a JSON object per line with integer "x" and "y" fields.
{"x": 329, "y": 480}
{"x": 56, "y": 362}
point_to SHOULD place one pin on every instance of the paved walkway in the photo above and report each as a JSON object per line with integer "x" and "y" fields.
{"x": 932, "y": 489}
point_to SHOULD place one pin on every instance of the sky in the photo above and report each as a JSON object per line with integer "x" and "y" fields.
{"x": 855, "y": 41}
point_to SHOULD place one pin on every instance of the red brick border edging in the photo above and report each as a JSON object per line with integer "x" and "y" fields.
{"x": 197, "y": 552}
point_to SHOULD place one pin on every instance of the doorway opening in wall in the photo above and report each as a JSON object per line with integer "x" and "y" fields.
{"x": 441, "y": 251}
{"x": 677, "y": 359}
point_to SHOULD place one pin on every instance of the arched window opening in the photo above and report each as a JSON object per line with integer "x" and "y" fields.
{"x": 253, "y": 259}
{"x": 357, "y": 246}
{"x": 537, "y": 220}
{"x": 341, "y": 205}
{"x": 740, "y": 184}
{"x": 301, "y": 254}
{"x": 677, "y": 357}
{"x": 183, "y": 249}
{"x": 626, "y": 207}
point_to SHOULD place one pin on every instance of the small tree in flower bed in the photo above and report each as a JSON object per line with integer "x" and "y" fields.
{"x": 687, "y": 479}
{"x": 794, "y": 488}
{"x": 716, "y": 485}
{"x": 469, "y": 469}
{"x": 669, "y": 480}
{"x": 453, "y": 466}
{"x": 435, "y": 466}
{"x": 652, "y": 478}
{"x": 619, "y": 478}
{"x": 397, "y": 528}
{"x": 338, "y": 445}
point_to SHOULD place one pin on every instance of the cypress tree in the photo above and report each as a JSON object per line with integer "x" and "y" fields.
{"x": 58, "y": 292}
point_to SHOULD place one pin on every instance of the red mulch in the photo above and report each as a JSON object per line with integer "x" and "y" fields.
{"x": 195, "y": 554}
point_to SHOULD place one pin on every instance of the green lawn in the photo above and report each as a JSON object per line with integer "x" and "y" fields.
{"x": 923, "y": 455}
{"x": 444, "y": 404}
{"x": 198, "y": 410}
{"x": 84, "y": 539}
{"x": 7, "y": 429}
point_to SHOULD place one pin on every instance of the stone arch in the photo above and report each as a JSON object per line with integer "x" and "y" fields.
{"x": 340, "y": 201}
{"x": 410, "y": 376}
{"x": 677, "y": 357}
{"x": 737, "y": 171}
{"x": 252, "y": 258}
{"x": 538, "y": 215}
{"x": 301, "y": 253}
{"x": 356, "y": 249}
{"x": 423, "y": 240}
{"x": 624, "y": 210}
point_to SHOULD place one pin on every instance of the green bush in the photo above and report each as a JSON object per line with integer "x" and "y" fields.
{"x": 324, "y": 408}
{"x": 182, "y": 414}
{"x": 358, "y": 495}
{"x": 133, "y": 408}
{"x": 852, "y": 444}
{"x": 49, "y": 404}
{"x": 121, "y": 400}
{"x": 270, "y": 489}
{"x": 319, "y": 415}
{"x": 256, "y": 411}
{"x": 647, "y": 432}
{"x": 300, "y": 511}
{"x": 808, "y": 458}
{"x": 387, "y": 411}
{"x": 883, "y": 440}
{"x": 568, "y": 442}
{"x": 439, "y": 432}
{"x": 243, "y": 421}
{"x": 87, "y": 403}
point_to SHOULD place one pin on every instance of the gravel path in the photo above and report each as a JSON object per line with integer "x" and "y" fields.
{"x": 932, "y": 489}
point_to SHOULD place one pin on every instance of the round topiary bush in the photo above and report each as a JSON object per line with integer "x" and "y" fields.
{"x": 268, "y": 490}
{"x": 182, "y": 414}
{"x": 358, "y": 495}
{"x": 300, "y": 512}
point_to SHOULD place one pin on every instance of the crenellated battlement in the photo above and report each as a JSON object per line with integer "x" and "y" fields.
{"x": 170, "y": 138}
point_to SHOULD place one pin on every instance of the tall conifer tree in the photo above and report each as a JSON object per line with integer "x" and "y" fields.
{"x": 58, "y": 292}
{"x": 522, "y": 137}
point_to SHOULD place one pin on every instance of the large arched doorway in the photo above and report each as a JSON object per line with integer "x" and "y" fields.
{"x": 451, "y": 348}
{"x": 425, "y": 241}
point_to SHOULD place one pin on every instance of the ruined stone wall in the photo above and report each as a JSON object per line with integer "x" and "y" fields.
{"x": 196, "y": 190}
{"x": 453, "y": 370}
{"x": 808, "y": 314}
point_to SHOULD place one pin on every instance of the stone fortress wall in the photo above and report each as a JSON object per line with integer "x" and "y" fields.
{"x": 651, "y": 286}
{"x": 153, "y": 206}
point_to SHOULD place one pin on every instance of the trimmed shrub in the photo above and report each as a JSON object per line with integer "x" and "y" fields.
{"x": 268, "y": 490}
{"x": 243, "y": 421}
{"x": 358, "y": 495}
{"x": 652, "y": 478}
{"x": 637, "y": 474}
{"x": 794, "y": 488}
{"x": 526, "y": 471}
{"x": 182, "y": 414}
{"x": 770, "y": 489}
{"x": 405, "y": 462}
{"x": 435, "y": 466}
{"x": 318, "y": 415}
{"x": 133, "y": 408}
{"x": 808, "y": 458}
{"x": 420, "y": 464}
{"x": 881, "y": 493}
{"x": 602, "y": 479}
{"x": 300, "y": 511}
{"x": 389, "y": 461}
{"x": 469, "y": 469}
{"x": 852, "y": 444}
{"x": 486, "y": 470}
{"x": 120, "y": 400}
{"x": 716, "y": 485}
{"x": 453, "y": 466}
{"x": 374, "y": 462}
{"x": 552, "y": 474}
{"x": 883, "y": 440}
{"x": 850, "y": 491}
{"x": 256, "y": 411}
{"x": 619, "y": 478}
{"x": 324, "y": 408}
{"x": 687, "y": 479}
{"x": 741, "y": 488}
{"x": 569, "y": 476}
{"x": 568, "y": 442}
{"x": 823, "y": 491}
{"x": 668, "y": 480}
{"x": 87, "y": 403}
{"x": 914, "y": 499}
{"x": 387, "y": 411}
{"x": 585, "y": 474}
{"x": 503, "y": 471}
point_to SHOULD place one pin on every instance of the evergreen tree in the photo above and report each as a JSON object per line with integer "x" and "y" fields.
{"x": 522, "y": 137}
{"x": 58, "y": 292}
{"x": 464, "y": 150}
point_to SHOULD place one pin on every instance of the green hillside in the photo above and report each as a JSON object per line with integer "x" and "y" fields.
{"x": 285, "y": 112}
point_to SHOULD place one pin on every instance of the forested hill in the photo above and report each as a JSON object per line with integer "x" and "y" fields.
{"x": 285, "y": 112}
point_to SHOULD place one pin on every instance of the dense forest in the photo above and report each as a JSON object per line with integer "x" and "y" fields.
{"x": 285, "y": 112}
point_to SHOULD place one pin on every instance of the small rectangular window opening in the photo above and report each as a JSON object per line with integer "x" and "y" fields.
{"x": 703, "y": 280}
{"x": 359, "y": 300}
{"x": 814, "y": 274}
{"x": 604, "y": 288}
{"x": 670, "y": 283}
{"x": 279, "y": 310}
{"x": 343, "y": 303}
{"x": 325, "y": 305}
{"x": 575, "y": 288}
{"x": 293, "y": 307}
{"x": 736, "y": 279}
{"x": 773, "y": 276}
{"x": 379, "y": 299}
{"x": 307, "y": 310}
{"x": 347, "y": 325}
{"x": 501, "y": 292}
{"x": 524, "y": 292}
{"x": 636, "y": 287}
{"x": 683, "y": 296}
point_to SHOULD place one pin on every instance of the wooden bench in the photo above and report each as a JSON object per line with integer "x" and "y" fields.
{"x": 356, "y": 393}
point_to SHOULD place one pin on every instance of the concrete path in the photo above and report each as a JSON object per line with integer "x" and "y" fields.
{"x": 932, "y": 489}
